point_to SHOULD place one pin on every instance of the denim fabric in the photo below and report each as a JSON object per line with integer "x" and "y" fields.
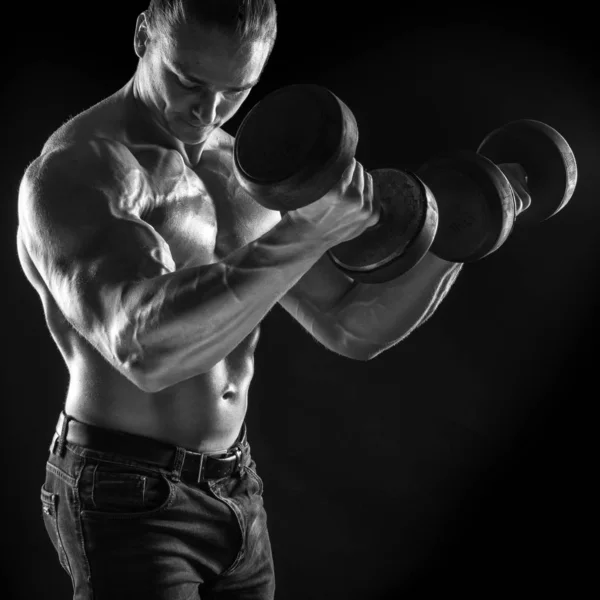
{"x": 127, "y": 529}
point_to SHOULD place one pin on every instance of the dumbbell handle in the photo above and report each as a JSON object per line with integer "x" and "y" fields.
{"x": 518, "y": 172}
{"x": 377, "y": 209}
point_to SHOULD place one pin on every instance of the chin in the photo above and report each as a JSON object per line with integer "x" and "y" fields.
{"x": 191, "y": 136}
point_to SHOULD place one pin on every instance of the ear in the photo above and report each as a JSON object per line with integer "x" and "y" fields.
{"x": 142, "y": 35}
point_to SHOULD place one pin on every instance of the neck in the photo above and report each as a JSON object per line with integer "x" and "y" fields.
{"x": 146, "y": 125}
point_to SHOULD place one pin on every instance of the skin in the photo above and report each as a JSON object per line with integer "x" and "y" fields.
{"x": 155, "y": 269}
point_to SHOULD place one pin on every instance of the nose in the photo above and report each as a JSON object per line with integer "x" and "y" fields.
{"x": 206, "y": 107}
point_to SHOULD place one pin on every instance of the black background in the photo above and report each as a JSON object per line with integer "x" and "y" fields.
{"x": 460, "y": 461}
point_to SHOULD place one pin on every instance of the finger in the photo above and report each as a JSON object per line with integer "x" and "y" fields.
{"x": 373, "y": 203}
{"x": 517, "y": 178}
{"x": 369, "y": 188}
{"x": 348, "y": 174}
{"x": 359, "y": 178}
{"x": 522, "y": 197}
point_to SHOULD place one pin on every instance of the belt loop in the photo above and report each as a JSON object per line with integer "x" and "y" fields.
{"x": 201, "y": 467}
{"x": 178, "y": 464}
{"x": 238, "y": 459}
{"x": 62, "y": 438}
{"x": 53, "y": 442}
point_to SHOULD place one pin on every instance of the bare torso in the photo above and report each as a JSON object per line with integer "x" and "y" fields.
{"x": 195, "y": 211}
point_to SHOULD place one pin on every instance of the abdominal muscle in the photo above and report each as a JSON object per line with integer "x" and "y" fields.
{"x": 203, "y": 414}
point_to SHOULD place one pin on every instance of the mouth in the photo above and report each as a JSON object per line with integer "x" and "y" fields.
{"x": 198, "y": 126}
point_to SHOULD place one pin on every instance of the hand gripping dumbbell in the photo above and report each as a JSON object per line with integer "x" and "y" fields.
{"x": 294, "y": 145}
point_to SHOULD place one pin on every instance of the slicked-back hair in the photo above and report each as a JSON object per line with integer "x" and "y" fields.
{"x": 247, "y": 20}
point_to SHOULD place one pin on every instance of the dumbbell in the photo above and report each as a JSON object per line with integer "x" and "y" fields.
{"x": 476, "y": 202}
{"x": 294, "y": 145}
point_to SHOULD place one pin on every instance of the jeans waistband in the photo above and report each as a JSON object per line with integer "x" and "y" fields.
{"x": 185, "y": 464}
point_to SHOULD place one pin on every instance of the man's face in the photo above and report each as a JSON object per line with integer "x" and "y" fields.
{"x": 195, "y": 79}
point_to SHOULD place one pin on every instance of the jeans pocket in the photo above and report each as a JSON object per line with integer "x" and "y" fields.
{"x": 112, "y": 490}
{"x": 50, "y": 515}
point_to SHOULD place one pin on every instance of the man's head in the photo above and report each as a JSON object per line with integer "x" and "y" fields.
{"x": 200, "y": 58}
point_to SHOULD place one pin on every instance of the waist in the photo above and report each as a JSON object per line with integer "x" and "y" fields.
{"x": 192, "y": 466}
{"x": 192, "y": 416}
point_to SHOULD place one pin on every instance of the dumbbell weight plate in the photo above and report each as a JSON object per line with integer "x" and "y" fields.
{"x": 294, "y": 145}
{"x": 476, "y": 205}
{"x": 404, "y": 233}
{"x": 547, "y": 159}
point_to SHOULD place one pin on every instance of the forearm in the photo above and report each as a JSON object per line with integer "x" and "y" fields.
{"x": 374, "y": 317}
{"x": 185, "y": 322}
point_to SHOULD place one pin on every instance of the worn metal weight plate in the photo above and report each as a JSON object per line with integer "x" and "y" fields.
{"x": 404, "y": 233}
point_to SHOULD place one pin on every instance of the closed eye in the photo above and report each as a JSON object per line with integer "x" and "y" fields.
{"x": 234, "y": 93}
{"x": 188, "y": 85}
{"x": 194, "y": 86}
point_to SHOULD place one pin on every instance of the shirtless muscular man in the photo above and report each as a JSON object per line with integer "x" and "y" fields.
{"x": 155, "y": 270}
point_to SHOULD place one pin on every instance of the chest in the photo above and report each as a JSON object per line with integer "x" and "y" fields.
{"x": 201, "y": 213}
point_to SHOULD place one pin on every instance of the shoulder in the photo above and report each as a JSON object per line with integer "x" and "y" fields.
{"x": 92, "y": 153}
{"x": 102, "y": 120}
{"x": 76, "y": 183}
{"x": 92, "y": 161}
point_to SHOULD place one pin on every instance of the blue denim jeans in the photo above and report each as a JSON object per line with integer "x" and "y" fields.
{"x": 125, "y": 528}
